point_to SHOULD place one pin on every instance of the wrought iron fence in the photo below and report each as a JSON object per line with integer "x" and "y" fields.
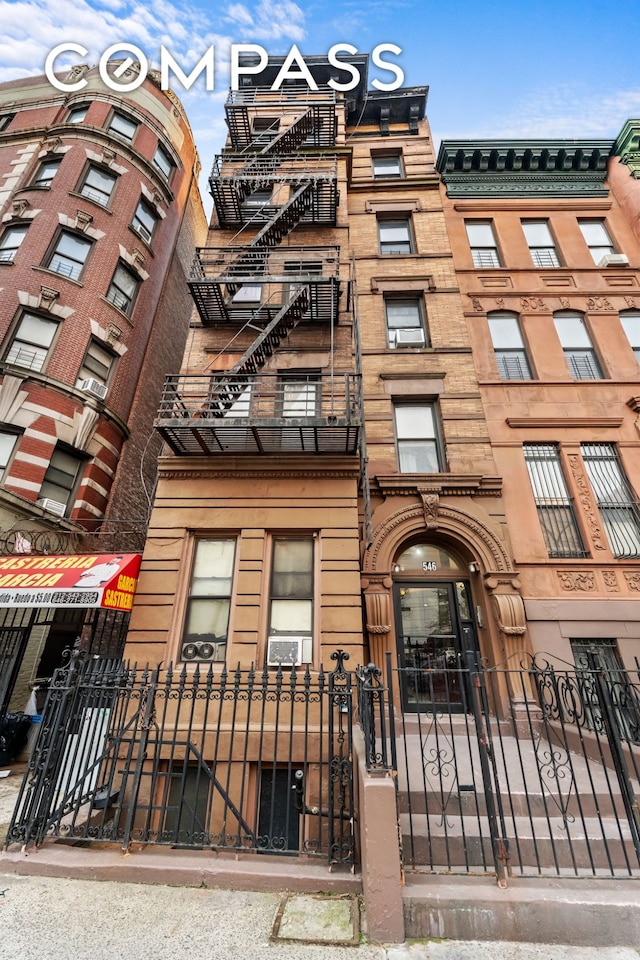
{"x": 538, "y": 776}
{"x": 242, "y": 760}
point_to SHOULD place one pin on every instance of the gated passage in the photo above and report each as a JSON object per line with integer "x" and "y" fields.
{"x": 241, "y": 761}
{"x": 540, "y": 775}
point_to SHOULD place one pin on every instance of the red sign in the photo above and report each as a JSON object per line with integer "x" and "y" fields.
{"x": 102, "y": 580}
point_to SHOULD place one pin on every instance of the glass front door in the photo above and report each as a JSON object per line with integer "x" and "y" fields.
{"x": 435, "y": 629}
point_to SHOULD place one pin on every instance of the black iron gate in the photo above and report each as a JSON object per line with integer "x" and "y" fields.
{"x": 539, "y": 776}
{"x": 240, "y": 760}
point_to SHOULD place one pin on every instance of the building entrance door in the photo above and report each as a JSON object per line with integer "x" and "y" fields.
{"x": 435, "y": 630}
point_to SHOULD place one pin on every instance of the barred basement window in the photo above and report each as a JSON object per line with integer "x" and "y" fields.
{"x": 555, "y": 506}
{"x": 617, "y": 502}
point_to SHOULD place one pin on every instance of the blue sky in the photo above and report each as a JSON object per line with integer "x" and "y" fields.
{"x": 545, "y": 69}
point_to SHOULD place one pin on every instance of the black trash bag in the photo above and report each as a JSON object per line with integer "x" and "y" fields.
{"x": 14, "y": 730}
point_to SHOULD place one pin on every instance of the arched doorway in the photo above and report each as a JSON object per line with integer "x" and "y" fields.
{"x": 435, "y": 625}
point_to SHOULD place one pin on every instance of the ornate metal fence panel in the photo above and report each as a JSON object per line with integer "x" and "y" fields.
{"x": 538, "y": 776}
{"x": 244, "y": 760}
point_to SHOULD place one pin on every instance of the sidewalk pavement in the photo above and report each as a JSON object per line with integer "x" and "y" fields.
{"x": 64, "y": 919}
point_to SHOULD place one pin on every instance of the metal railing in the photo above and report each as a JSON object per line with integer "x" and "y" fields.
{"x": 245, "y": 760}
{"x": 298, "y": 92}
{"x": 300, "y": 264}
{"x": 538, "y": 776}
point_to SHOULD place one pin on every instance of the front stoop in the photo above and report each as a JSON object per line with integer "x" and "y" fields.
{"x": 589, "y": 912}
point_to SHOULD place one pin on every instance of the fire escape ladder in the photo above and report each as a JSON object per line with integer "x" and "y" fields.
{"x": 286, "y": 218}
{"x": 227, "y": 391}
{"x": 293, "y": 137}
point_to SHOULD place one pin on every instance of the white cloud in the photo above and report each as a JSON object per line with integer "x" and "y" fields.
{"x": 269, "y": 20}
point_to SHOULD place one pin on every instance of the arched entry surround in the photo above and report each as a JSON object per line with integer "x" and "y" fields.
{"x": 494, "y": 582}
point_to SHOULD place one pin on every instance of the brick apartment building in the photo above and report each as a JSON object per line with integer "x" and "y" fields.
{"x": 100, "y": 213}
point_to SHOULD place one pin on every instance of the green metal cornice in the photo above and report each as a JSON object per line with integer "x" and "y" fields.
{"x": 627, "y": 146}
{"x": 524, "y": 168}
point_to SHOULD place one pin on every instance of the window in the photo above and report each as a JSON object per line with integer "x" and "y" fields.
{"x": 395, "y": 237}
{"x": 291, "y": 593}
{"x": 97, "y": 363}
{"x": 386, "y": 165}
{"x": 69, "y": 255}
{"x": 60, "y": 479}
{"x": 509, "y": 348}
{"x": 578, "y": 349}
{"x": 46, "y": 172}
{"x": 123, "y": 288}
{"x": 300, "y": 395}
{"x": 248, "y": 293}
{"x": 209, "y": 602}
{"x": 603, "y": 655}
{"x": 5, "y": 120}
{"x": 258, "y": 203}
{"x": 98, "y": 185}
{"x": 7, "y": 446}
{"x": 541, "y": 245}
{"x": 123, "y": 126}
{"x": 145, "y": 220}
{"x": 555, "y": 506}
{"x": 78, "y": 113}
{"x": 617, "y": 502}
{"x": 631, "y": 326}
{"x": 405, "y": 325}
{"x": 31, "y": 342}
{"x": 596, "y": 238}
{"x": 482, "y": 241}
{"x": 11, "y": 240}
{"x": 163, "y": 162}
{"x": 417, "y": 438}
{"x": 264, "y": 129}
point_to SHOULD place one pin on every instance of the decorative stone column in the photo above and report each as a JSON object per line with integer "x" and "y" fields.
{"x": 378, "y": 615}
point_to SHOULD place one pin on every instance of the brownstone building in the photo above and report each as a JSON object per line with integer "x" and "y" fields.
{"x": 545, "y": 243}
{"x": 100, "y": 213}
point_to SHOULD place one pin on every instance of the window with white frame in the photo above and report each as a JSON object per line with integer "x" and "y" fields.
{"x": 8, "y": 442}
{"x": 483, "y": 244}
{"x": 46, "y": 172}
{"x": 554, "y": 505}
{"x": 77, "y": 113}
{"x": 123, "y": 126}
{"x": 395, "y": 236}
{"x": 417, "y": 438}
{"x": 597, "y": 239}
{"x": 69, "y": 255}
{"x": 386, "y": 165}
{"x": 248, "y": 293}
{"x": 300, "y": 395}
{"x": 31, "y": 342}
{"x": 163, "y": 162}
{"x": 290, "y": 629}
{"x": 97, "y": 364}
{"x": 97, "y": 185}
{"x": 508, "y": 346}
{"x": 577, "y": 346}
{"x": 145, "y": 220}
{"x": 60, "y": 479}
{"x": 11, "y": 240}
{"x": 405, "y": 322}
{"x": 617, "y": 502}
{"x": 540, "y": 242}
{"x": 206, "y": 623}
{"x": 123, "y": 288}
{"x": 631, "y": 326}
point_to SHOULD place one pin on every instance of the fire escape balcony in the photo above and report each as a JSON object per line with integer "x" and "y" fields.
{"x": 243, "y": 189}
{"x": 226, "y": 413}
{"x": 241, "y": 284}
{"x": 249, "y": 107}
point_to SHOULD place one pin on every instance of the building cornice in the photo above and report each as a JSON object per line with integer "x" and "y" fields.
{"x": 627, "y": 146}
{"x": 443, "y": 484}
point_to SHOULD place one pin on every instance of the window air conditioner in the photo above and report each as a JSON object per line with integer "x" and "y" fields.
{"x": 202, "y": 650}
{"x": 52, "y": 506}
{"x": 94, "y": 387}
{"x": 288, "y": 651}
{"x": 410, "y": 338}
{"x": 614, "y": 260}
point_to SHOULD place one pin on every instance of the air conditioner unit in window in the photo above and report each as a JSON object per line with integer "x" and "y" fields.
{"x": 52, "y": 506}
{"x": 288, "y": 651}
{"x": 200, "y": 650}
{"x": 94, "y": 387}
{"x": 410, "y": 338}
{"x": 614, "y": 260}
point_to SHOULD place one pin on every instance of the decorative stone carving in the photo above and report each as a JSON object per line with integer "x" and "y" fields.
{"x": 611, "y": 581}
{"x": 633, "y": 580}
{"x": 48, "y": 297}
{"x": 500, "y": 303}
{"x": 11, "y": 397}
{"x": 430, "y": 505}
{"x": 509, "y": 612}
{"x": 533, "y": 303}
{"x": 108, "y": 156}
{"x": 113, "y": 333}
{"x": 564, "y": 303}
{"x": 476, "y": 304}
{"x": 378, "y": 611}
{"x": 77, "y": 72}
{"x": 83, "y": 220}
{"x": 18, "y": 207}
{"x": 83, "y": 426}
{"x": 586, "y": 500}
{"x": 631, "y": 303}
{"x": 137, "y": 258}
{"x": 52, "y": 144}
{"x": 599, "y": 303}
{"x": 578, "y": 580}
